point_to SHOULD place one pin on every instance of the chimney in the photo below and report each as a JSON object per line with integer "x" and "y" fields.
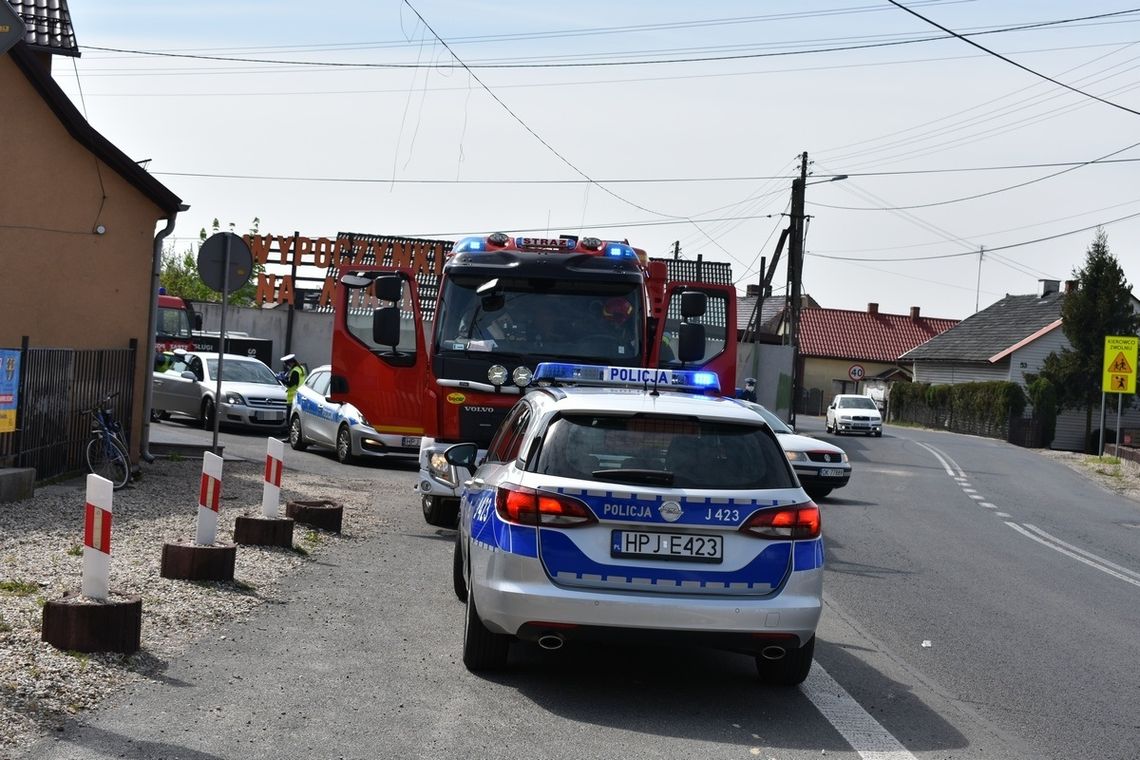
{"x": 1070, "y": 286}
{"x": 752, "y": 291}
{"x": 872, "y": 308}
{"x": 914, "y": 312}
{"x": 1048, "y": 287}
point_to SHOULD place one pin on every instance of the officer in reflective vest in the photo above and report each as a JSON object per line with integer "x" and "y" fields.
{"x": 166, "y": 359}
{"x": 295, "y": 373}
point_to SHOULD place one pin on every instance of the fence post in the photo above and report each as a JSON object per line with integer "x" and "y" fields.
{"x": 21, "y": 392}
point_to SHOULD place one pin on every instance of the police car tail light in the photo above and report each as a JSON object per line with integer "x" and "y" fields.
{"x": 526, "y": 506}
{"x": 796, "y": 522}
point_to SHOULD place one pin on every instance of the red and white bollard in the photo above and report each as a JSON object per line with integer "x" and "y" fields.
{"x": 97, "y": 538}
{"x": 209, "y": 496}
{"x": 274, "y": 465}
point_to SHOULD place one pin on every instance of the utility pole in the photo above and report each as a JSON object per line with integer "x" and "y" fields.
{"x": 676, "y": 249}
{"x": 795, "y": 273}
{"x": 978, "y": 289}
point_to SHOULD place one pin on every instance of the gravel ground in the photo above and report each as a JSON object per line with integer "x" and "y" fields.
{"x": 41, "y": 559}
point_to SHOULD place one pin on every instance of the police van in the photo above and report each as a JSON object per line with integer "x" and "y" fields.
{"x": 620, "y": 502}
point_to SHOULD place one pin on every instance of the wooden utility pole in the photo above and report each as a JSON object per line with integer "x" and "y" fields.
{"x": 795, "y": 276}
{"x": 676, "y": 249}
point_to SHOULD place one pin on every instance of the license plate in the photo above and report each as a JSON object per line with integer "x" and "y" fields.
{"x": 831, "y": 473}
{"x": 684, "y": 547}
{"x": 269, "y": 416}
{"x": 410, "y": 442}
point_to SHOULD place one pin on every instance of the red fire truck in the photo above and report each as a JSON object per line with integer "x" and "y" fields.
{"x": 176, "y": 323}
{"x": 505, "y": 304}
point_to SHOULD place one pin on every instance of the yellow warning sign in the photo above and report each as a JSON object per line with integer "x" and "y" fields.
{"x": 1119, "y": 364}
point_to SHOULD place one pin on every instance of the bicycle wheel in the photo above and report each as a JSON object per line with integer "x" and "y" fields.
{"x": 107, "y": 457}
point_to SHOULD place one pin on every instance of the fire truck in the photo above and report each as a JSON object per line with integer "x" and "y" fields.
{"x": 176, "y": 323}
{"x": 504, "y": 305}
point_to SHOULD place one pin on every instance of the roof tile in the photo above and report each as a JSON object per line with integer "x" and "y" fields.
{"x": 879, "y": 337}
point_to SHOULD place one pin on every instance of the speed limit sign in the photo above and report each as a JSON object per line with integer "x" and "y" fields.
{"x": 855, "y": 372}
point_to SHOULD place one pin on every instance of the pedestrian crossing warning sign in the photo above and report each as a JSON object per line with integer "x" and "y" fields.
{"x": 1119, "y": 364}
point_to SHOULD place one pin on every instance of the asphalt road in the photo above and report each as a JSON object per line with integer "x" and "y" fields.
{"x": 952, "y": 629}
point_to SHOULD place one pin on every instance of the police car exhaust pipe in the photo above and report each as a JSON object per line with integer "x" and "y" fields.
{"x": 551, "y": 641}
{"x": 773, "y": 653}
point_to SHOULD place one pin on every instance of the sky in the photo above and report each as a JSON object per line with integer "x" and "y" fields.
{"x": 965, "y": 172}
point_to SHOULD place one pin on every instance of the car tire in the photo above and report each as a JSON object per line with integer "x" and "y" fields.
{"x": 344, "y": 445}
{"x": 439, "y": 511}
{"x": 791, "y": 670}
{"x": 207, "y": 416}
{"x": 457, "y": 579}
{"x": 155, "y": 415}
{"x": 482, "y": 649}
{"x": 878, "y": 433}
{"x": 818, "y": 493}
{"x": 296, "y": 434}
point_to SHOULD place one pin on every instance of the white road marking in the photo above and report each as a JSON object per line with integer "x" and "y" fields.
{"x": 1082, "y": 552}
{"x": 865, "y": 734}
{"x": 968, "y": 490}
{"x": 1077, "y": 555}
{"x": 1002, "y": 514}
{"x": 987, "y": 505}
{"x": 976, "y": 496}
{"x": 941, "y": 460}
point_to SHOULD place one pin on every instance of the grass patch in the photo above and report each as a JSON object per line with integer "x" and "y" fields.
{"x": 1105, "y": 460}
{"x": 245, "y": 585}
{"x": 75, "y": 551}
{"x": 313, "y": 537}
{"x": 298, "y": 549}
{"x": 4, "y": 627}
{"x": 174, "y": 456}
{"x": 82, "y": 658}
{"x": 19, "y": 588}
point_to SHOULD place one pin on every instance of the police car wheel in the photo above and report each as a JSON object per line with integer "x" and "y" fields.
{"x": 440, "y": 512}
{"x": 482, "y": 649}
{"x": 296, "y": 434}
{"x": 790, "y": 670}
{"x": 344, "y": 445}
{"x": 457, "y": 579}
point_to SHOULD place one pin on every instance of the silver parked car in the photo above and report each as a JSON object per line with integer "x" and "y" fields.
{"x": 315, "y": 419}
{"x": 252, "y": 396}
{"x": 820, "y": 466}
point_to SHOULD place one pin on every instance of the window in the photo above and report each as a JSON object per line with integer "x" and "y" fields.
{"x": 856, "y": 402}
{"x": 318, "y": 382}
{"x": 715, "y": 320}
{"x": 242, "y": 371}
{"x": 508, "y": 438}
{"x": 359, "y": 321}
{"x": 695, "y": 453}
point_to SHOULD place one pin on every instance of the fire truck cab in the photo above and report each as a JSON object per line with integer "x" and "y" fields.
{"x": 505, "y": 304}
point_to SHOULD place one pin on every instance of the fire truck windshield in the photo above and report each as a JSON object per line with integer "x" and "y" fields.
{"x": 173, "y": 322}
{"x": 572, "y": 320}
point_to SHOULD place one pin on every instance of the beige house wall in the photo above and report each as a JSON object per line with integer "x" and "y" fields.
{"x": 819, "y": 373}
{"x": 62, "y": 284}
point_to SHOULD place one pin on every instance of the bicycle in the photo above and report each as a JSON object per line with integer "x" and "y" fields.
{"x": 107, "y": 452}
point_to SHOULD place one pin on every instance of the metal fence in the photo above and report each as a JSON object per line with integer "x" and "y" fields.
{"x": 57, "y": 386}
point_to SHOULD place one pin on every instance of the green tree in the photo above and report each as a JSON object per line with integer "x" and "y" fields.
{"x": 180, "y": 272}
{"x": 1100, "y": 305}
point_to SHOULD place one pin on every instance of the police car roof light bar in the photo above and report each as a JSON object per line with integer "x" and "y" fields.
{"x": 561, "y": 373}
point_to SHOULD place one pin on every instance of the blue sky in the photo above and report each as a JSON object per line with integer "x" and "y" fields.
{"x": 676, "y": 149}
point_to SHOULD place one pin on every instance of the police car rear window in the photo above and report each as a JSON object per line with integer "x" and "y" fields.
{"x": 667, "y": 451}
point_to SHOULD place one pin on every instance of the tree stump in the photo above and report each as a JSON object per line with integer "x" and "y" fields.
{"x": 326, "y": 515}
{"x": 76, "y": 623}
{"x": 264, "y": 531}
{"x": 194, "y": 562}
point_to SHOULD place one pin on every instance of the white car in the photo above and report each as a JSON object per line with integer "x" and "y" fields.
{"x": 314, "y": 420}
{"x": 252, "y": 396}
{"x": 652, "y": 512}
{"x": 853, "y": 413}
{"x": 821, "y": 466}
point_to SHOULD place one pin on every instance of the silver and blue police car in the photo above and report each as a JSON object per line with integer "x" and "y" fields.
{"x": 622, "y": 502}
{"x": 316, "y": 421}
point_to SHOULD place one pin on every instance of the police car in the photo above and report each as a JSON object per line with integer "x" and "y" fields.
{"x": 626, "y": 503}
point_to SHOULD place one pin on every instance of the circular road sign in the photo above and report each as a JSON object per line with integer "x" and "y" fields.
{"x": 855, "y": 372}
{"x": 212, "y": 258}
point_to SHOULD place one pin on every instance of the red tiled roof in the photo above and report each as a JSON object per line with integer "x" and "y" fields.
{"x": 840, "y": 334}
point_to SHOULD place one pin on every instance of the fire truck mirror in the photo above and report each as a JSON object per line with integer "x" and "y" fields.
{"x": 338, "y": 384}
{"x": 691, "y": 346}
{"x": 693, "y": 304}
{"x": 386, "y": 326}
{"x": 389, "y": 289}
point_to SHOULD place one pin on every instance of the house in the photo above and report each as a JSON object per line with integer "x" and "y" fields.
{"x": 78, "y": 218}
{"x": 1005, "y": 341}
{"x": 843, "y": 351}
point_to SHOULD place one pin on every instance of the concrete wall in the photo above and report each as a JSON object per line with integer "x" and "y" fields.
{"x": 312, "y": 331}
{"x": 62, "y": 284}
{"x": 772, "y": 368}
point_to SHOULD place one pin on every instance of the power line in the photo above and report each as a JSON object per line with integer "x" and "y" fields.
{"x": 1012, "y": 62}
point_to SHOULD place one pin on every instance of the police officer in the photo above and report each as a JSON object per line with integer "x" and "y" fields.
{"x": 295, "y": 373}
{"x": 748, "y": 392}
{"x": 167, "y": 359}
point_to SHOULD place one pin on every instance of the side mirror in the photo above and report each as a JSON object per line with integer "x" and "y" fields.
{"x": 386, "y": 326}
{"x": 188, "y": 375}
{"x": 462, "y": 455}
{"x": 197, "y": 321}
{"x": 693, "y": 304}
{"x": 691, "y": 344}
{"x": 491, "y": 295}
{"x": 329, "y": 400}
{"x": 338, "y": 384}
{"x": 389, "y": 289}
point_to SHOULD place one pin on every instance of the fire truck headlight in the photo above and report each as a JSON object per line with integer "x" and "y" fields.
{"x": 522, "y": 376}
{"x": 497, "y": 374}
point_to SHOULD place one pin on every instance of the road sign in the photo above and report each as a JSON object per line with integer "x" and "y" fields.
{"x": 212, "y": 258}
{"x": 855, "y": 372}
{"x": 11, "y": 27}
{"x": 1119, "y": 364}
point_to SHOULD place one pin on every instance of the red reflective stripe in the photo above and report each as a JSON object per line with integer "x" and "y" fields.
{"x": 210, "y": 492}
{"x": 273, "y": 469}
{"x": 97, "y": 529}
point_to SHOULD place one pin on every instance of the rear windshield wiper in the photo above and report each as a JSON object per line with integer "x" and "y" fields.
{"x": 648, "y": 477}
